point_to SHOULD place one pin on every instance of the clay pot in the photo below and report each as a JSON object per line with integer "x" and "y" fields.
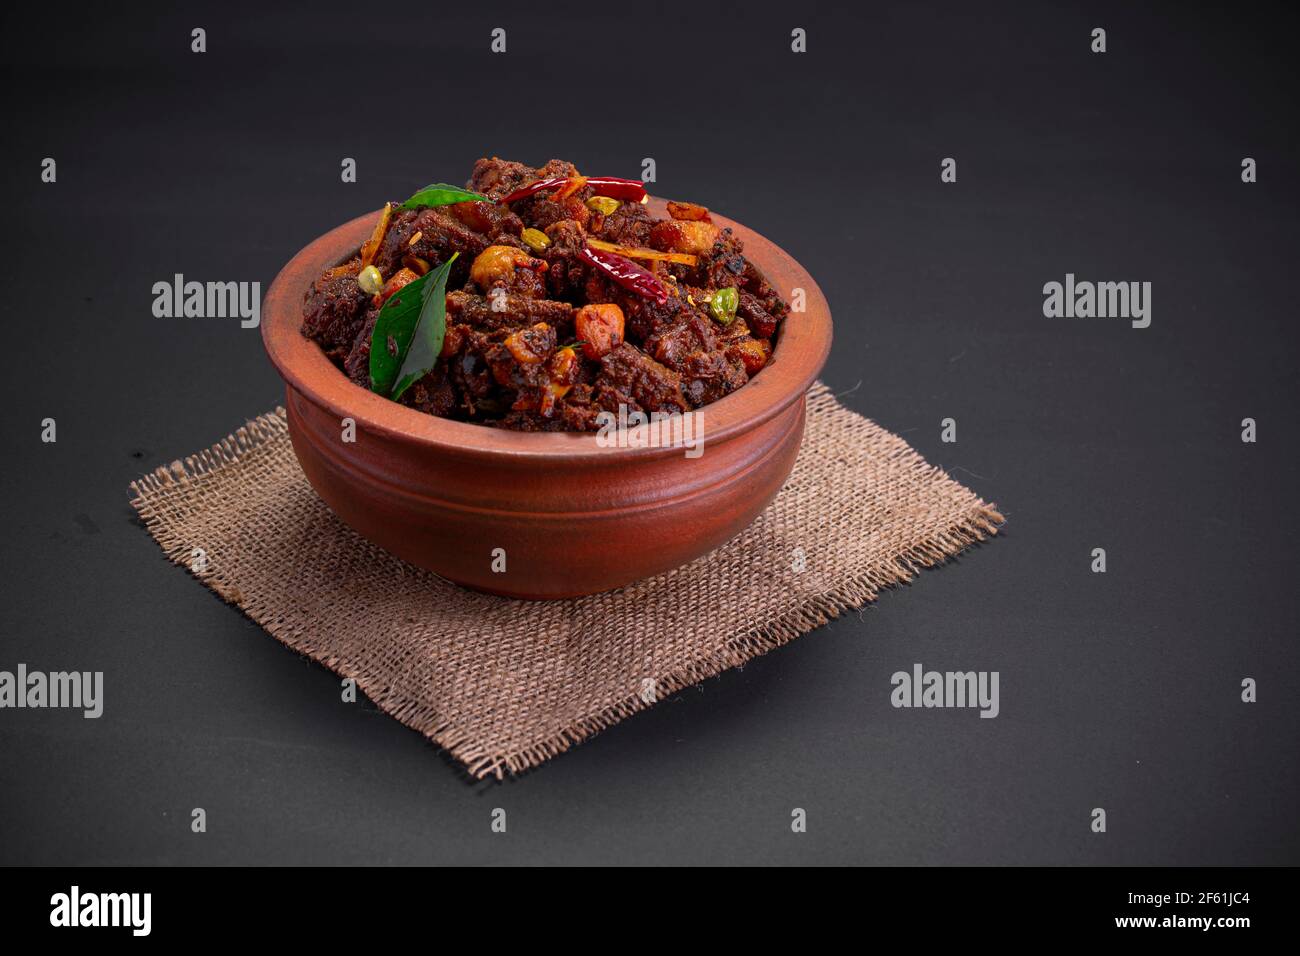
{"x": 573, "y": 517}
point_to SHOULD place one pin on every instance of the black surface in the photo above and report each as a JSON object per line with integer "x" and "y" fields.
{"x": 1118, "y": 690}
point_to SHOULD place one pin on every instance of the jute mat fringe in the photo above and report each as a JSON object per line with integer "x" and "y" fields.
{"x": 504, "y": 685}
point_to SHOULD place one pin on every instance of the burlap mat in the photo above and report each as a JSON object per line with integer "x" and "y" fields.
{"x": 504, "y": 685}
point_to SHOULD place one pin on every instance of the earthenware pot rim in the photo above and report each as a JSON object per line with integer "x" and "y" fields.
{"x": 802, "y": 346}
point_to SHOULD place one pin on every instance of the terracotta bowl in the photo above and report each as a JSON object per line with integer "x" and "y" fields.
{"x": 573, "y": 516}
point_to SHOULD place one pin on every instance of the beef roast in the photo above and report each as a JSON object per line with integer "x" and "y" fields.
{"x": 509, "y": 355}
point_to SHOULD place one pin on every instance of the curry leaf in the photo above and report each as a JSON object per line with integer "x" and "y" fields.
{"x": 391, "y": 337}
{"x": 440, "y": 194}
{"x": 408, "y": 333}
{"x": 430, "y": 330}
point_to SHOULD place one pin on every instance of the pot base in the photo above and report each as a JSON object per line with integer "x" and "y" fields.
{"x": 640, "y": 520}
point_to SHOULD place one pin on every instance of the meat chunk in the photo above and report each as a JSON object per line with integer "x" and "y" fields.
{"x": 566, "y": 272}
{"x": 692, "y": 348}
{"x": 545, "y": 209}
{"x": 631, "y": 378}
{"x": 507, "y": 311}
{"x": 761, "y": 323}
{"x": 435, "y": 394}
{"x": 751, "y": 352}
{"x": 473, "y": 377}
{"x": 436, "y": 234}
{"x": 672, "y": 344}
{"x": 710, "y": 375}
{"x": 577, "y": 411}
{"x": 497, "y": 177}
{"x": 557, "y": 169}
{"x": 333, "y": 312}
{"x": 357, "y": 365}
{"x": 394, "y": 246}
{"x": 629, "y": 225}
{"x": 642, "y": 317}
{"x": 722, "y": 265}
{"x": 496, "y": 222}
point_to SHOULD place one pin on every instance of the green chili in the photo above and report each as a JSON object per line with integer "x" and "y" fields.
{"x": 722, "y": 306}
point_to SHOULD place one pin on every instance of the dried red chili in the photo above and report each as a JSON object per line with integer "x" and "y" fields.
{"x": 627, "y": 274}
{"x": 631, "y": 190}
{"x": 535, "y": 187}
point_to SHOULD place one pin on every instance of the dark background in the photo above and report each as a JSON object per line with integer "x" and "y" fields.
{"x": 1118, "y": 690}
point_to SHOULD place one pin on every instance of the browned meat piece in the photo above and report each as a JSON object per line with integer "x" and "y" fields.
{"x": 577, "y": 410}
{"x": 751, "y": 352}
{"x": 557, "y": 169}
{"x": 487, "y": 359}
{"x": 526, "y": 363}
{"x": 518, "y": 420}
{"x": 333, "y": 312}
{"x": 630, "y": 377}
{"x": 724, "y": 265}
{"x": 357, "y": 364}
{"x": 524, "y": 283}
{"x": 673, "y": 344}
{"x": 642, "y": 317}
{"x": 496, "y": 177}
{"x": 530, "y": 348}
{"x": 492, "y": 220}
{"x": 692, "y": 347}
{"x": 395, "y": 244}
{"x": 440, "y": 231}
{"x": 756, "y": 284}
{"x": 565, "y": 272}
{"x": 567, "y": 236}
{"x": 434, "y": 394}
{"x": 760, "y": 305}
{"x": 514, "y": 311}
{"x": 710, "y": 375}
{"x": 761, "y": 324}
{"x": 437, "y": 234}
{"x": 561, "y": 402}
{"x": 629, "y": 225}
{"x": 543, "y": 209}
{"x": 470, "y": 371}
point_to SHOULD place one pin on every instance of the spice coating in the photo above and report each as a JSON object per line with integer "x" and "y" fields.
{"x": 543, "y": 331}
